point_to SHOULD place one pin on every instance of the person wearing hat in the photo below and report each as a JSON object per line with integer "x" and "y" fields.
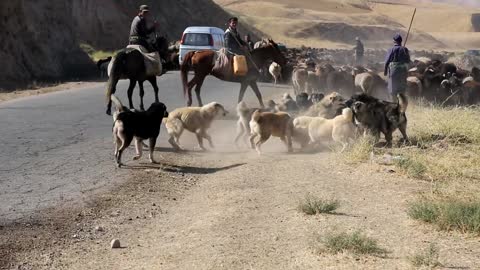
{"x": 359, "y": 51}
{"x": 139, "y": 31}
{"x": 233, "y": 42}
{"x": 396, "y": 68}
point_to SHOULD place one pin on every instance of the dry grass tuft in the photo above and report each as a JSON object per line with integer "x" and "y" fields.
{"x": 427, "y": 258}
{"x": 448, "y": 215}
{"x": 356, "y": 243}
{"x": 312, "y": 205}
{"x": 360, "y": 151}
{"x": 94, "y": 54}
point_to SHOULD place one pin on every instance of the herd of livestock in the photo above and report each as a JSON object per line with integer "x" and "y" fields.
{"x": 443, "y": 78}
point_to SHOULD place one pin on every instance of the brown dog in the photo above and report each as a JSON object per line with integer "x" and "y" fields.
{"x": 194, "y": 119}
{"x": 245, "y": 115}
{"x": 266, "y": 124}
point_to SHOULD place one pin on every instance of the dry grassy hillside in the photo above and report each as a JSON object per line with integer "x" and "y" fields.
{"x": 328, "y": 23}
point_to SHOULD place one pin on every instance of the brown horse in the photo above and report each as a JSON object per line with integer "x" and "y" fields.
{"x": 202, "y": 62}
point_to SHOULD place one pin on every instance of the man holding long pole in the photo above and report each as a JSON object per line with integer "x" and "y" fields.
{"x": 396, "y": 68}
{"x": 396, "y": 65}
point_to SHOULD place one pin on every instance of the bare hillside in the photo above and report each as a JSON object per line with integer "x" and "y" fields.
{"x": 39, "y": 40}
{"x": 328, "y": 23}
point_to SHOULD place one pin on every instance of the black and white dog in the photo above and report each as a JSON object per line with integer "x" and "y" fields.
{"x": 138, "y": 125}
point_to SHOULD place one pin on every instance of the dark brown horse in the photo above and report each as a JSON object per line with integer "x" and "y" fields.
{"x": 202, "y": 62}
{"x": 130, "y": 64}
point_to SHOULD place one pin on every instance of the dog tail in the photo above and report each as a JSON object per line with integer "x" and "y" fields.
{"x": 118, "y": 103}
{"x": 347, "y": 114}
{"x": 256, "y": 116}
{"x": 402, "y": 103}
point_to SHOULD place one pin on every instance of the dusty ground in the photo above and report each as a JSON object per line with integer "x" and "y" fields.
{"x": 38, "y": 90}
{"x": 232, "y": 209}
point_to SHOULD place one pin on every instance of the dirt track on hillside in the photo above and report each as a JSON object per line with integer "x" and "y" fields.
{"x": 231, "y": 209}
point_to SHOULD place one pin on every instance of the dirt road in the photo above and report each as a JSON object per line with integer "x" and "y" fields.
{"x": 233, "y": 209}
{"x": 224, "y": 209}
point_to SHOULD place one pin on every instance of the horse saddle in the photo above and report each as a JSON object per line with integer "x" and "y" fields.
{"x": 227, "y": 66}
{"x": 153, "y": 63}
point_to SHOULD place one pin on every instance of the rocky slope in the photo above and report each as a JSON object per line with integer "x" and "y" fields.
{"x": 39, "y": 40}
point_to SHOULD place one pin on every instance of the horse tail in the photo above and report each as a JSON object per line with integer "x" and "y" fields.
{"x": 184, "y": 68}
{"x": 114, "y": 72}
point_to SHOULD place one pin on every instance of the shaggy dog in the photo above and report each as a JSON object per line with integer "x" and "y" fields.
{"x": 266, "y": 124}
{"x": 287, "y": 104}
{"x": 303, "y": 101}
{"x": 140, "y": 125}
{"x": 316, "y": 97}
{"x": 244, "y": 116}
{"x": 378, "y": 116}
{"x": 300, "y": 130}
{"x": 330, "y": 106}
{"x": 340, "y": 129}
{"x": 194, "y": 119}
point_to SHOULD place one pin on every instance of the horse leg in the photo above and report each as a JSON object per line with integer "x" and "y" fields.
{"x": 198, "y": 88}
{"x": 153, "y": 81}
{"x": 257, "y": 93}
{"x": 130, "y": 92}
{"x": 243, "y": 88}
{"x": 190, "y": 86}
{"x": 142, "y": 94}
{"x": 113, "y": 90}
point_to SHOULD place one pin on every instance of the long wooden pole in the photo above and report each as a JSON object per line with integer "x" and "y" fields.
{"x": 410, "y": 27}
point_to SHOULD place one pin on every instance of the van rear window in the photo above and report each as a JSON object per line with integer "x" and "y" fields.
{"x": 196, "y": 39}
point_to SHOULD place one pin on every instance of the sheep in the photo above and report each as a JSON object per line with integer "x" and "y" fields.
{"x": 276, "y": 71}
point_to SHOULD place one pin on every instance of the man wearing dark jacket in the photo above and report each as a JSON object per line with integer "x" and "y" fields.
{"x": 233, "y": 42}
{"x": 396, "y": 67}
{"x": 139, "y": 31}
{"x": 359, "y": 51}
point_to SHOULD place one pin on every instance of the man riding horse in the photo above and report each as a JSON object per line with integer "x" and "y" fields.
{"x": 139, "y": 62}
{"x": 233, "y": 42}
{"x": 139, "y": 31}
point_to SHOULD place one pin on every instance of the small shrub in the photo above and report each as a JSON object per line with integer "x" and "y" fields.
{"x": 413, "y": 167}
{"x": 449, "y": 215}
{"x": 428, "y": 257}
{"x": 312, "y": 205}
{"x": 355, "y": 242}
{"x": 361, "y": 150}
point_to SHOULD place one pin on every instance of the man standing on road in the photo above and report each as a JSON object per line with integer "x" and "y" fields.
{"x": 359, "y": 51}
{"x": 396, "y": 68}
{"x": 139, "y": 31}
{"x": 233, "y": 42}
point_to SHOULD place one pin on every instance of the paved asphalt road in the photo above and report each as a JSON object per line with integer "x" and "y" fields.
{"x": 57, "y": 148}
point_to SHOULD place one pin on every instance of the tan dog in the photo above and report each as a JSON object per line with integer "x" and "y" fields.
{"x": 300, "y": 130}
{"x": 245, "y": 115}
{"x": 340, "y": 129}
{"x": 194, "y": 119}
{"x": 329, "y": 107}
{"x": 266, "y": 124}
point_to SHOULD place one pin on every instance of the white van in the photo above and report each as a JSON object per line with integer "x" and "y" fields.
{"x": 199, "y": 38}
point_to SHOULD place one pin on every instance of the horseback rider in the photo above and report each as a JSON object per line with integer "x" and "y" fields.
{"x": 396, "y": 67}
{"x": 139, "y": 31}
{"x": 234, "y": 44}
